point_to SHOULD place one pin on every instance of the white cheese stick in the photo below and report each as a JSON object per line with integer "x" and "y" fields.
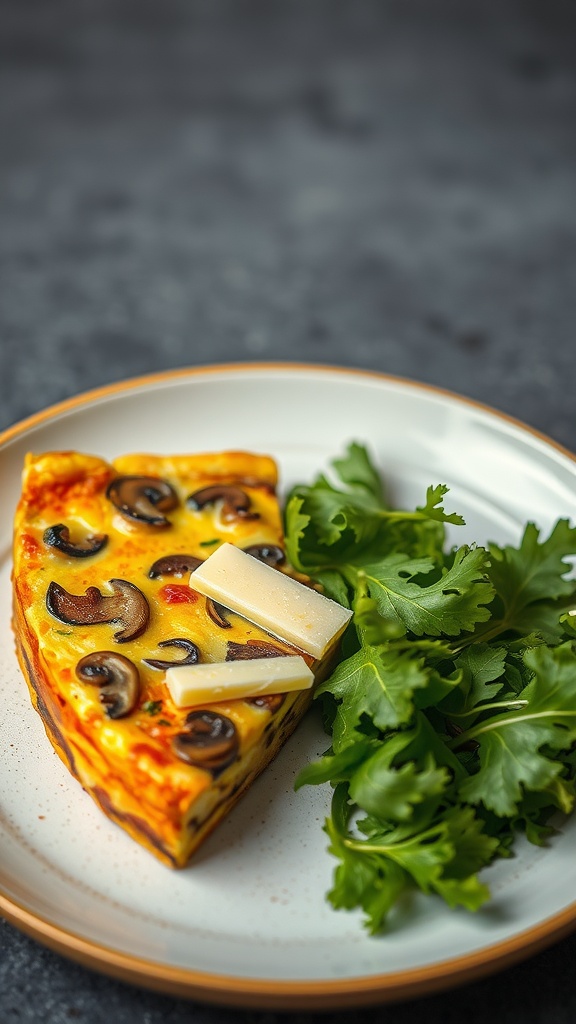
{"x": 190, "y": 685}
{"x": 270, "y": 599}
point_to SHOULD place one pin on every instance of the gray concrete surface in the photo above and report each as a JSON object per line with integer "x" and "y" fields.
{"x": 389, "y": 185}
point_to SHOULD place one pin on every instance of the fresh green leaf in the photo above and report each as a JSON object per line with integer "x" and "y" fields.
{"x": 480, "y": 664}
{"x": 433, "y": 508}
{"x": 448, "y": 606}
{"x": 551, "y": 620}
{"x": 535, "y": 570}
{"x": 334, "y": 585}
{"x": 335, "y": 768}
{"x": 296, "y": 523}
{"x": 357, "y": 470}
{"x": 441, "y": 859}
{"x": 531, "y": 581}
{"x": 328, "y": 526}
{"x": 511, "y": 755}
{"x": 361, "y": 879}
{"x": 377, "y": 683}
{"x": 392, "y": 793}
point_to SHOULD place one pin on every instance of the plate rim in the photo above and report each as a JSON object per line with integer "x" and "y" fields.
{"x": 264, "y": 994}
{"x": 133, "y": 383}
{"x": 258, "y": 993}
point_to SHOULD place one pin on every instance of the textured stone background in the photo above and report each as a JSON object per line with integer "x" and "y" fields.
{"x": 389, "y": 185}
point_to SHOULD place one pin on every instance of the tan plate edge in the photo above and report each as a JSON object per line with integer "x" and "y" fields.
{"x": 181, "y": 373}
{"x": 256, "y": 993}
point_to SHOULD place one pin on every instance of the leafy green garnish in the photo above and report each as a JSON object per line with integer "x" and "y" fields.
{"x": 453, "y": 710}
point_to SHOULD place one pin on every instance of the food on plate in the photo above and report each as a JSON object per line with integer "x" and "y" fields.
{"x": 105, "y": 612}
{"x": 171, "y": 629}
{"x": 452, "y": 715}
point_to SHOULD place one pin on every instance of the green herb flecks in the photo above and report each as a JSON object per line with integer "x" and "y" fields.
{"x": 152, "y": 707}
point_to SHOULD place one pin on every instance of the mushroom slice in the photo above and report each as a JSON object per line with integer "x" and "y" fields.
{"x": 235, "y": 501}
{"x": 143, "y": 498}
{"x": 271, "y": 554}
{"x": 258, "y": 649}
{"x": 174, "y": 565}
{"x": 192, "y": 654}
{"x": 253, "y": 649}
{"x": 127, "y": 606}
{"x": 208, "y": 741}
{"x": 117, "y": 678}
{"x": 58, "y": 536}
{"x": 216, "y": 613}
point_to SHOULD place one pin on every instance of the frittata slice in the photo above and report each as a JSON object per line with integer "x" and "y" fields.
{"x": 102, "y": 607}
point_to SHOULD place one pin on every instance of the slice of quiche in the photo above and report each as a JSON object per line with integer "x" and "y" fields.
{"x": 103, "y": 609}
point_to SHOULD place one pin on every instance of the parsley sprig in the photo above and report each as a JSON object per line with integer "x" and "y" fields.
{"x": 452, "y": 713}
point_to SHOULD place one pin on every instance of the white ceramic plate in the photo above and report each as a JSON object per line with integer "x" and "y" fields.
{"x": 248, "y": 924}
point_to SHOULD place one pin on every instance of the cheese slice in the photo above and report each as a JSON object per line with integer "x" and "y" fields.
{"x": 270, "y": 599}
{"x": 192, "y": 685}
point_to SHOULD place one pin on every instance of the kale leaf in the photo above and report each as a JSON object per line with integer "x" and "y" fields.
{"x": 453, "y": 710}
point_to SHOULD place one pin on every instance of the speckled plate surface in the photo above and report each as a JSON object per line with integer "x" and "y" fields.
{"x": 248, "y": 923}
